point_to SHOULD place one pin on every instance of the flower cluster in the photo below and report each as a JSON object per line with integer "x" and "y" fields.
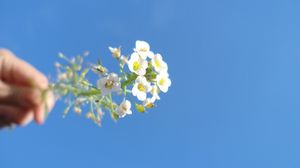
{"x": 146, "y": 76}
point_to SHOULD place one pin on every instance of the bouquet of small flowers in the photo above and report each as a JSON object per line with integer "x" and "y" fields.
{"x": 143, "y": 74}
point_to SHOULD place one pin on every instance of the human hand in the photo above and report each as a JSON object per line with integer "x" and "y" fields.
{"x": 23, "y": 92}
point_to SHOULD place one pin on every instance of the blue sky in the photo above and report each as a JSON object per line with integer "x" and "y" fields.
{"x": 234, "y": 100}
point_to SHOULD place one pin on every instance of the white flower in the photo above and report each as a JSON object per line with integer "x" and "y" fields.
{"x": 137, "y": 65}
{"x": 149, "y": 103}
{"x": 143, "y": 49}
{"x": 57, "y": 64}
{"x": 158, "y": 63}
{"x": 62, "y": 76}
{"x": 124, "y": 108}
{"x": 108, "y": 84}
{"x": 77, "y": 110}
{"x": 163, "y": 81}
{"x": 141, "y": 87}
{"x": 154, "y": 93}
{"x": 116, "y": 52}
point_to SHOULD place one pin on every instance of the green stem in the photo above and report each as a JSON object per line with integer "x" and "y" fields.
{"x": 111, "y": 104}
{"x": 92, "y": 92}
{"x": 92, "y": 108}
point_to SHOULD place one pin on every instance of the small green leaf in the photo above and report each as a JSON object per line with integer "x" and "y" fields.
{"x": 150, "y": 74}
{"x": 99, "y": 61}
{"x": 83, "y": 74}
{"x": 150, "y": 66}
{"x": 130, "y": 78}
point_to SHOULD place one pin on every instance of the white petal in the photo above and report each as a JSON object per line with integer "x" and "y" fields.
{"x": 129, "y": 112}
{"x": 130, "y": 66}
{"x": 164, "y": 88}
{"x": 121, "y": 113}
{"x": 134, "y": 56}
{"x": 143, "y": 55}
{"x": 101, "y": 82}
{"x": 111, "y": 49}
{"x": 144, "y": 64}
{"x": 168, "y": 82}
{"x": 127, "y": 104}
{"x": 135, "y": 90}
{"x": 140, "y": 79}
{"x": 153, "y": 99}
{"x": 141, "y": 71}
{"x": 113, "y": 77}
{"x": 124, "y": 59}
{"x": 164, "y": 74}
{"x": 141, "y": 96}
{"x": 144, "y": 80}
{"x": 142, "y": 45}
{"x": 148, "y": 87}
{"x": 158, "y": 56}
{"x": 164, "y": 67}
{"x": 150, "y": 54}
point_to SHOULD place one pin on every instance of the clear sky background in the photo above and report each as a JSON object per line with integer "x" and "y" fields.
{"x": 234, "y": 100}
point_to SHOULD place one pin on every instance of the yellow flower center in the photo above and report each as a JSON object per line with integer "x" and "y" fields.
{"x": 102, "y": 69}
{"x": 141, "y": 88}
{"x": 136, "y": 65}
{"x": 143, "y": 49}
{"x": 162, "y": 81}
{"x": 157, "y": 63}
{"x": 109, "y": 84}
{"x": 150, "y": 105}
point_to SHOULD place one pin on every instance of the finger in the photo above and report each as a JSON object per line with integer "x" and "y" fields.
{"x": 34, "y": 99}
{"x": 27, "y": 98}
{"x": 25, "y": 118}
{"x": 4, "y": 122}
{"x": 50, "y": 100}
{"x": 48, "y": 104}
{"x": 18, "y": 72}
{"x": 13, "y": 115}
{"x": 41, "y": 111}
{"x": 13, "y": 70}
{"x": 19, "y": 96}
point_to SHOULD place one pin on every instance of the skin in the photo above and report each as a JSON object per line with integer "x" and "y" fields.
{"x": 21, "y": 88}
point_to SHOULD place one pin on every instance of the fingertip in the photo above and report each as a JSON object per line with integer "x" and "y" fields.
{"x": 50, "y": 100}
{"x": 39, "y": 115}
{"x": 48, "y": 105}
